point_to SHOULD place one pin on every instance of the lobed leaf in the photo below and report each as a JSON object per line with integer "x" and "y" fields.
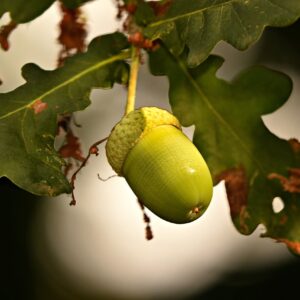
{"x": 24, "y": 11}
{"x": 201, "y": 24}
{"x": 28, "y": 115}
{"x": 256, "y": 165}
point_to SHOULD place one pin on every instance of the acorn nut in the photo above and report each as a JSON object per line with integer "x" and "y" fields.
{"x": 161, "y": 165}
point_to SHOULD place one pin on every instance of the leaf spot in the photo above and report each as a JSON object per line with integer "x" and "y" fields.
{"x": 244, "y": 214}
{"x": 295, "y": 145}
{"x": 160, "y": 8}
{"x": 283, "y": 220}
{"x": 236, "y": 189}
{"x": 289, "y": 184}
{"x": 293, "y": 245}
{"x": 38, "y": 106}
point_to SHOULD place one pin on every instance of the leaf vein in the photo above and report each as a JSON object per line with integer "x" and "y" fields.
{"x": 217, "y": 115}
{"x": 121, "y": 56}
{"x": 240, "y": 20}
{"x": 281, "y": 7}
{"x": 22, "y": 130}
{"x": 199, "y": 11}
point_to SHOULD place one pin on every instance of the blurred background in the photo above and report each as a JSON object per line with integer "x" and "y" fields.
{"x": 97, "y": 249}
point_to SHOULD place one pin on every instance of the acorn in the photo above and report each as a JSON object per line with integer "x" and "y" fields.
{"x": 162, "y": 166}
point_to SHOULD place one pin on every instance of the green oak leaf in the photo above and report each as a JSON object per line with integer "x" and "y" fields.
{"x": 144, "y": 14}
{"x": 237, "y": 146}
{"x": 28, "y": 114}
{"x": 24, "y": 11}
{"x": 201, "y": 24}
{"x": 74, "y": 3}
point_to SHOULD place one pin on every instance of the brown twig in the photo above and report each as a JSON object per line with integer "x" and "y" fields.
{"x": 148, "y": 230}
{"x": 93, "y": 150}
{"x": 73, "y": 33}
{"x": 5, "y": 32}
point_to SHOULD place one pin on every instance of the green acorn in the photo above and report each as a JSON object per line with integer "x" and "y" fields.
{"x": 161, "y": 165}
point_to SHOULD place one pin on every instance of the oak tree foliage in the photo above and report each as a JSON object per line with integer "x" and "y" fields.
{"x": 178, "y": 37}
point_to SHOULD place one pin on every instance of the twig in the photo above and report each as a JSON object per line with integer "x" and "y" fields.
{"x": 148, "y": 230}
{"x": 106, "y": 179}
{"x": 93, "y": 150}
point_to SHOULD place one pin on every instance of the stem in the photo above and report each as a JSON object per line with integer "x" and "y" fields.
{"x": 134, "y": 70}
{"x": 93, "y": 150}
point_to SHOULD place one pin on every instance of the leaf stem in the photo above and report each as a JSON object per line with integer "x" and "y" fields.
{"x": 134, "y": 70}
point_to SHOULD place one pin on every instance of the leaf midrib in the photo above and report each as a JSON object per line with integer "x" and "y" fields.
{"x": 189, "y": 14}
{"x": 123, "y": 55}
{"x": 212, "y": 109}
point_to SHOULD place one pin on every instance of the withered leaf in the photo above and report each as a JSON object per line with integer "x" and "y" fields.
{"x": 236, "y": 144}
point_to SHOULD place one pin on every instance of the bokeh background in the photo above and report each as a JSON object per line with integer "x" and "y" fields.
{"x": 97, "y": 249}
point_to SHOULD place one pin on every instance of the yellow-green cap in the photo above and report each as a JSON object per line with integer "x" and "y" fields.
{"x": 131, "y": 129}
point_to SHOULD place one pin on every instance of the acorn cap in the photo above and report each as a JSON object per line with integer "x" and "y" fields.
{"x": 132, "y": 127}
